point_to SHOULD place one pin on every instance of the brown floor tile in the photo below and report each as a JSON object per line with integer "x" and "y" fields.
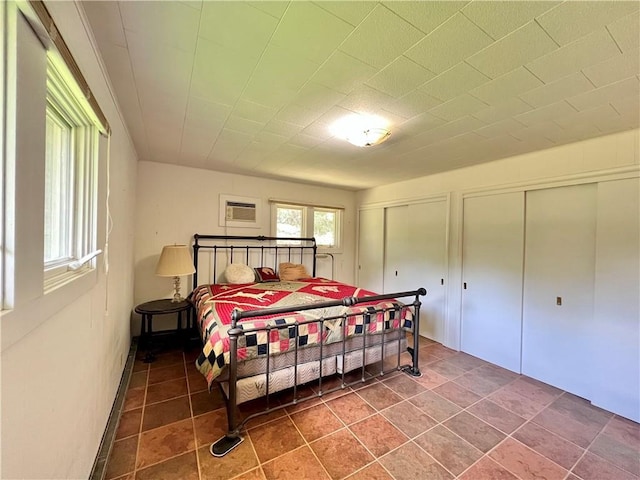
{"x": 273, "y": 439}
{"x": 409, "y": 419}
{"x": 166, "y": 412}
{"x": 456, "y": 394}
{"x": 620, "y": 454}
{"x": 581, "y": 410}
{"x": 134, "y": 398}
{"x": 344, "y": 446}
{"x": 182, "y": 467}
{"x": 316, "y": 422}
{"x": 138, "y": 379}
{"x": 454, "y": 453}
{"x": 478, "y": 433}
{"x": 350, "y": 408}
{"x": 561, "y": 451}
{"x": 378, "y": 434}
{"x": 167, "y": 359}
{"x": 203, "y": 402}
{"x": 430, "y": 378}
{"x": 404, "y": 385}
{"x": 477, "y": 382}
{"x": 379, "y": 396}
{"x": 165, "y": 442}
{"x": 446, "y": 369}
{"x": 525, "y": 463}
{"x": 373, "y": 471}
{"x": 255, "y": 474}
{"x": 537, "y": 393}
{"x": 129, "y": 423}
{"x": 426, "y": 357}
{"x": 197, "y": 382}
{"x": 128, "y": 476}
{"x": 465, "y": 361}
{"x": 496, "y": 416}
{"x": 410, "y": 462}
{"x": 239, "y": 460}
{"x": 166, "y": 390}
{"x": 523, "y": 406}
{"x": 441, "y": 351}
{"x": 435, "y": 406}
{"x": 210, "y": 427}
{"x": 164, "y": 374}
{"x": 624, "y": 430}
{"x": 487, "y": 469}
{"x": 298, "y": 464}
{"x": 592, "y": 467}
{"x": 567, "y": 427}
{"x": 140, "y": 366}
{"x": 306, "y": 398}
{"x": 122, "y": 459}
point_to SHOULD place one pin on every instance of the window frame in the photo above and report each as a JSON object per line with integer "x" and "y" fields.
{"x": 64, "y": 100}
{"x": 308, "y": 218}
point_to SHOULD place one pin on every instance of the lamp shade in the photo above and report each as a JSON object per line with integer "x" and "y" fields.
{"x": 175, "y": 261}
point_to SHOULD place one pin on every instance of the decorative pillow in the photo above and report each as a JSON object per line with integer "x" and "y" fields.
{"x": 239, "y": 273}
{"x": 292, "y": 271}
{"x": 266, "y": 274}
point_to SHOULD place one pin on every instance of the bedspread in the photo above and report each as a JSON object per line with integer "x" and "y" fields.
{"x": 214, "y": 305}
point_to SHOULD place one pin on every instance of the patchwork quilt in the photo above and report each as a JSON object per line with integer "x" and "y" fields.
{"x": 215, "y": 303}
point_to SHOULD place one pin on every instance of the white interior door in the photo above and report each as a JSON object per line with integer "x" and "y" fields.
{"x": 559, "y": 286}
{"x": 427, "y": 228}
{"x": 397, "y": 262}
{"x": 493, "y": 239}
{"x": 371, "y": 249}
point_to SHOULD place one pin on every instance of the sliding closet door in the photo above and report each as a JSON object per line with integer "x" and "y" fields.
{"x": 559, "y": 286}
{"x": 493, "y": 232}
{"x": 371, "y": 249}
{"x": 427, "y": 231}
{"x": 397, "y": 260}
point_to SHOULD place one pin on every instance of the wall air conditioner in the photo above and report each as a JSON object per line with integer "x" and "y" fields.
{"x": 240, "y": 212}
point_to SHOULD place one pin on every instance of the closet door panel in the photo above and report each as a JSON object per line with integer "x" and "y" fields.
{"x": 427, "y": 249}
{"x": 493, "y": 234}
{"x": 371, "y": 249}
{"x": 558, "y": 286}
{"x": 397, "y": 260}
{"x": 615, "y": 359}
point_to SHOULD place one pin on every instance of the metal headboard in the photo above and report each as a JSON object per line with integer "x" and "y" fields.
{"x": 261, "y": 244}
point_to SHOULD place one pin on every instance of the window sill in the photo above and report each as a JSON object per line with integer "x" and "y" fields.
{"x": 62, "y": 279}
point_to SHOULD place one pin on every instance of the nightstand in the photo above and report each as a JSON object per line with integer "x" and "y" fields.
{"x": 160, "y": 307}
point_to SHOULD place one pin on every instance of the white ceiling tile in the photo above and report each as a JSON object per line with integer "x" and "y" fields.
{"x": 274, "y": 8}
{"x": 222, "y": 85}
{"x": 321, "y": 34}
{"x": 297, "y": 115}
{"x": 317, "y": 97}
{"x": 243, "y": 125}
{"x": 197, "y": 142}
{"x": 449, "y": 44}
{"x": 425, "y": 15}
{"x": 306, "y": 141}
{"x": 343, "y": 72}
{"x": 352, "y": 12}
{"x": 400, "y": 77}
{"x": 104, "y": 18}
{"x": 412, "y": 104}
{"x": 317, "y": 129}
{"x": 571, "y": 20}
{"x": 237, "y": 25}
{"x": 513, "y": 83}
{"x": 366, "y": 100}
{"x": 420, "y": 123}
{"x": 454, "y": 82}
{"x": 269, "y": 140}
{"x": 448, "y": 130}
{"x": 608, "y": 93}
{"x": 593, "y": 116}
{"x": 503, "y": 127}
{"x": 281, "y": 68}
{"x": 458, "y": 107}
{"x": 381, "y": 38}
{"x": 229, "y": 145}
{"x": 205, "y": 114}
{"x": 627, "y": 106}
{"x": 545, "y": 114}
{"x": 253, "y": 111}
{"x": 333, "y": 114}
{"x": 555, "y": 91}
{"x": 283, "y": 129}
{"x": 519, "y": 47}
{"x": 584, "y": 52}
{"x": 500, "y": 18}
{"x": 164, "y": 23}
{"x": 616, "y": 68}
{"x": 542, "y": 130}
{"x": 626, "y": 32}
{"x": 503, "y": 109}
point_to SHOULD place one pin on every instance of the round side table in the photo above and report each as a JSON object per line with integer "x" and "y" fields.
{"x": 159, "y": 307}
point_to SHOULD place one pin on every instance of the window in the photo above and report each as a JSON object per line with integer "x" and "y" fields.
{"x": 71, "y": 158}
{"x": 323, "y": 223}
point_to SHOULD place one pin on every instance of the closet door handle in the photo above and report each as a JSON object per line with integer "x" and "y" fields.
{"x": 442, "y": 281}
{"x": 464, "y": 285}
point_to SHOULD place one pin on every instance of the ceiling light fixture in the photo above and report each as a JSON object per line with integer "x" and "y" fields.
{"x": 361, "y": 130}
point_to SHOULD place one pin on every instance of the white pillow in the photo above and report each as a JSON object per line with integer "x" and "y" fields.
{"x": 239, "y": 273}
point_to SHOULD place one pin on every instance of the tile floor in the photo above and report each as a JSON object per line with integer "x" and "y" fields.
{"x": 464, "y": 418}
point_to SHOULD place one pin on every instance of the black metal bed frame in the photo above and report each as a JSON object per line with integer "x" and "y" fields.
{"x": 233, "y": 438}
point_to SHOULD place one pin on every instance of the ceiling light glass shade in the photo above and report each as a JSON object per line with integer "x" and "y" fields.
{"x": 361, "y": 130}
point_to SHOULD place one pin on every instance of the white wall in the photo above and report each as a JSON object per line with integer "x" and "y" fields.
{"x": 565, "y": 164}
{"x": 62, "y": 354}
{"x": 175, "y": 202}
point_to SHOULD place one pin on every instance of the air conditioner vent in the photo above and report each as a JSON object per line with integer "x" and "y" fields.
{"x": 241, "y": 212}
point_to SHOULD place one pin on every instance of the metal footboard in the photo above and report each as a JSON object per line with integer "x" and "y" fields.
{"x": 235, "y": 425}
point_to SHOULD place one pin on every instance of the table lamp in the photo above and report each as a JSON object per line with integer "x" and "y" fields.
{"x": 175, "y": 261}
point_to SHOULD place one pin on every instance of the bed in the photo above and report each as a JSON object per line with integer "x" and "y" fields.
{"x": 269, "y": 325}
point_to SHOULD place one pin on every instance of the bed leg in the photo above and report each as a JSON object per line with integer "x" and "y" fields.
{"x": 413, "y": 369}
{"x": 224, "y": 445}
